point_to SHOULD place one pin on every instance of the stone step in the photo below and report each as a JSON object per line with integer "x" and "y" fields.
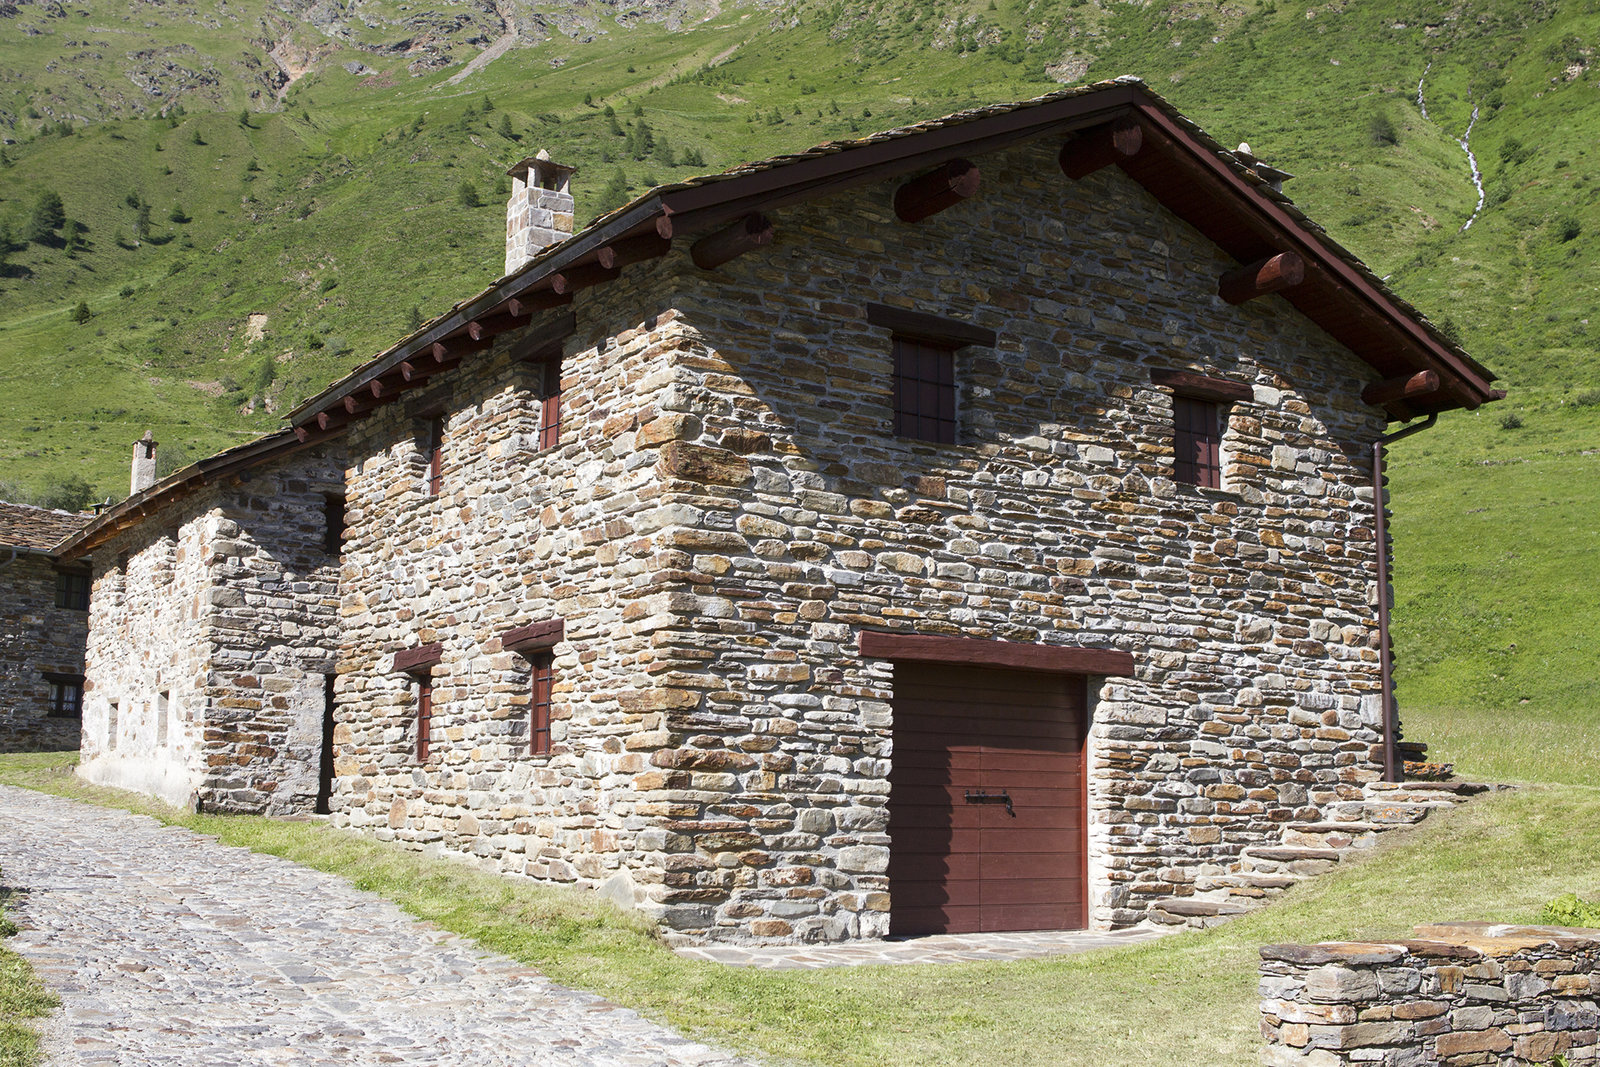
{"x": 1461, "y": 789}
{"x": 1300, "y": 861}
{"x": 1353, "y": 834}
{"x": 1389, "y": 813}
{"x": 1249, "y": 880}
{"x": 1186, "y": 911}
{"x": 1284, "y": 854}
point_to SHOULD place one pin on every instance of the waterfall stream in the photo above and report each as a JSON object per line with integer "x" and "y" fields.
{"x": 1466, "y": 146}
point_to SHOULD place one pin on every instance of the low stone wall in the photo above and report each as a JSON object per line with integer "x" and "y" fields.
{"x": 1459, "y": 994}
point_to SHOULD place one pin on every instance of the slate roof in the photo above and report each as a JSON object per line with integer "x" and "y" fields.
{"x": 36, "y": 530}
{"x": 1395, "y": 337}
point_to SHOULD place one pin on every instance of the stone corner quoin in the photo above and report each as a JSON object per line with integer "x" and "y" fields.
{"x": 696, "y": 474}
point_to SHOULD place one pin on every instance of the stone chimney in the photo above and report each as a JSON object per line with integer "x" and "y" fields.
{"x": 540, "y": 212}
{"x": 144, "y": 464}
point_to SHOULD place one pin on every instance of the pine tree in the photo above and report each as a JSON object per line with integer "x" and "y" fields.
{"x": 80, "y": 314}
{"x": 48, "y": 216}
{"x": 467, "y": 195}
{"x": 505, "y": 129}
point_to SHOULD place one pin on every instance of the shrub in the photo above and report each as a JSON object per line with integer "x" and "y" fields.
{"x": 1588, "y": 398}
{"x": 1568, "y": 228}
{"x": 1511, "y": 421}
{"x": 81, "y": 314}
{"x": 1381, "y": 130}
{"x": 1569, "y": 910}
{"x": 467, "y": 195}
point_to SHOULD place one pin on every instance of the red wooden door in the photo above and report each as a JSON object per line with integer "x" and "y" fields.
{"x": 986, "y": 802}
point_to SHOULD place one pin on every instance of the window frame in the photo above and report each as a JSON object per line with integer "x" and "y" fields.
{"x": 68, "y": 593}
{"x": 536, "y": 642}
{"x": 418, "y": 662}
{"x": 59, "y": 706}
{"x": 928, "y": 339}
{"x": 433, "y": 456}
{"x": 550, "y": 403}
{"x": 1211, "y": 399}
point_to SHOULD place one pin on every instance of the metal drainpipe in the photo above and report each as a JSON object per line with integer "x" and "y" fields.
{"x": 1393, "y": 771}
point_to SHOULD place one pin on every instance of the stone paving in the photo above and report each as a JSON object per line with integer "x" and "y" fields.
{"x": 943, "y": 948}
{"x": 169, "y": 948}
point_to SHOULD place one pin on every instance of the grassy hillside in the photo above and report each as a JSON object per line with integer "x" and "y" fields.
{"x": 261, "y": 196}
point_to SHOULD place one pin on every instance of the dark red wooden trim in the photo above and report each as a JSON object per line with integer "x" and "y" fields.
{"x": 1100, "y": 147}
{"x": 631, "y": 250}
{"x": 731, "y": 242}
{"x": 574, "y": 278}
{"x": 549, "y": 338}
{"x": 57, "y": 678}
{"x": 936, "y": 329}
{"x": 416, "y": 660}
{"x": 1419, "y": 384}
{"x": 535, "y": 636}
{"x": 945, "y": 187}
{"x": 974, "y": 652}
{"x": 1269, "y": 275}
{"x": 492, "y": 326}
{"x": 1085, "y": 721}
{"x": 541, "y": 697}
{"x": 424, "y": 717}
{"x": 1200, "y": 386}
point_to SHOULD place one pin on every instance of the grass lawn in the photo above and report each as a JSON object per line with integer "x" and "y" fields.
{"x": 1189, "y": 998}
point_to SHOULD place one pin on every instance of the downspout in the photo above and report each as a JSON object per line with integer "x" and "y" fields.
{"x": 1393, "y": 771}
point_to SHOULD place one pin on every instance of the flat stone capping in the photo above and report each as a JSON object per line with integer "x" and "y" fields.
{"x": 534, "y": 637}
{"x": 416, "y": 659}
{"x": 1199, "y": 386}
{"x": 936, "y": 328}
{"x": 1457, "y": 994}
{"x": 972, "y": 652}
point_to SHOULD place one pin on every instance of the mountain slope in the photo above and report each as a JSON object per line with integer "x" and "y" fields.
{"x": 258, "y": 196}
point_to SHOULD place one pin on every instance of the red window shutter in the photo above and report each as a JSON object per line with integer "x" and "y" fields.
{"x": 424, "y": 716}
{"x": 550, "y": 414}
{"x": 924, "y": 391}
{"x": 435, "y": 456}
{"x": 1197, "y": 442}
{"x": 543, "y": 685}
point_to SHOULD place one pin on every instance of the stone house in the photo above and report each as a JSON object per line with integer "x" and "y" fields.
{"x": 966, "y": 527}
{"x": 213, "y": 625}
{"x": 44, "y": 606}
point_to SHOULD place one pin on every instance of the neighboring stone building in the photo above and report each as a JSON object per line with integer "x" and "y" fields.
{"x": 940, "y": 530}
{"x": 44, "y": 608}
{"x": 213, "y": 628}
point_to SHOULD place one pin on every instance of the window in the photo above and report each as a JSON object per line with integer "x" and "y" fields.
{"x": 111, "y": 725}
{"x": 66, "y": 695}
{"x": 72, "y": 590}
{"x": 924, "y": 391}
{"x": 424, "y": 715}
{"x": 333, "y": 523}
{"x": 1199, "y": 409}
{"x": 542, "y": 683}
{"x": 925, "y": 368}
{"x": 550, "y": 409}
{"x": 432, "y": 442}
{"x": 163, "y": 714}
{"x": 1197, "y": 442}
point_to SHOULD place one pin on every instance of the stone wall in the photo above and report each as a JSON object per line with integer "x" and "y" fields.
{"x": 35, "y": 637}
{"x": 1458, "y": 994}
{"x": 728, "y": 510}
{"x": 213, "y": 626}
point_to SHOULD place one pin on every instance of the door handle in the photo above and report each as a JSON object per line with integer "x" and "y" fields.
{"x": 1001, "y": 797}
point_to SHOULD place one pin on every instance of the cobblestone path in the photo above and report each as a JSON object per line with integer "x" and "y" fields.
{"x": 169, "y": 948}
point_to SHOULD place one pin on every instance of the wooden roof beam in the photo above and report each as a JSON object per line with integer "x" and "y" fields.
{"x": 1275, "y": 272}
{"x": 582, "y": 277}
{"x": 944, "y": 187}
{"x": 525, "y": 304}
{"x": 631, "y": 250}
{"x": 729, "y": 243}
{"x": 1101, "y": 146}
{"x": 491, "y": 326}
{"x": 1407, "y": 387}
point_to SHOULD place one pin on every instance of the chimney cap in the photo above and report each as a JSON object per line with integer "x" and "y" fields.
{"x": 542, "y": 165}
{"x": 149, "y": 438}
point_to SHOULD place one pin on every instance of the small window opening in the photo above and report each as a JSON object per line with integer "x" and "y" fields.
{"x": 924, "y": 391}
{"x": 542, "y": 685}
{"x": 433, "y": 454}
{"x": 72, "y": 590}
{"x": 111, "y": 725}
{"x": 1197, "y": 442}
{"x": 163, "y": 714}
{"x": 550, "y": 408}
{"x": 424, "y": 715}
{"x": 66, "y": 697}
{"x": 333, "y": 523}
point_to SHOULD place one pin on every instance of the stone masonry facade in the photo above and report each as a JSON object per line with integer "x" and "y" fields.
{"x": 1457, "y": 994}
{"x": 213, "y": 632}
{"x": 38, "y": 640}
{"x": 727, "y": 510}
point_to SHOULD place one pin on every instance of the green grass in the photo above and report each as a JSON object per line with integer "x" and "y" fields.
{"x": 1502, "y": 859}
{"x": 22, "y": 997}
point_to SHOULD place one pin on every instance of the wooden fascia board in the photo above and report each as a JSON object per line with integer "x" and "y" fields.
{"x": 534, "y": 637}
{"x": 975, "y": 652}
{"x": 417, "y": 660}
{"x": 1272, "y": 224}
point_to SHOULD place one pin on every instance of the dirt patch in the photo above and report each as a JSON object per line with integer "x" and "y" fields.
{"x": 255, "y": 328}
